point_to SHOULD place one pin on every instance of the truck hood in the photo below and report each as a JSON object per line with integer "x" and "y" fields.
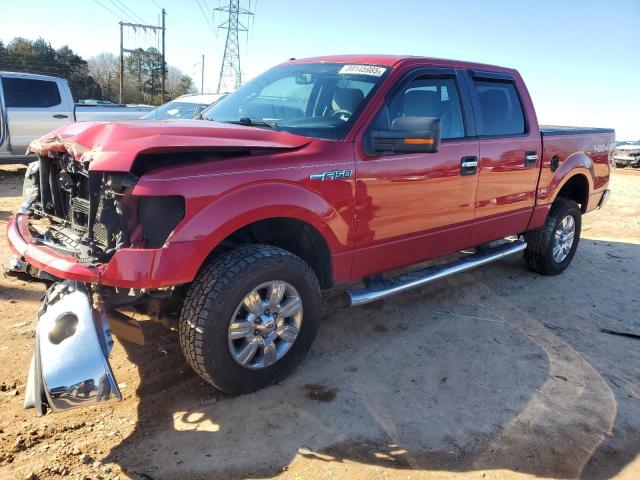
{"x": 114, "y": 146}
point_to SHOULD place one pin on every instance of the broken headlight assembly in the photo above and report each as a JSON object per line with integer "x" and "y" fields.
{"x": 157, "y": 218}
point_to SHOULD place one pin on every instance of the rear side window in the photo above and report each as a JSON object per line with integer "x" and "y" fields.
{"x": 26, "y": 93}
{"x": 500, "y": 108}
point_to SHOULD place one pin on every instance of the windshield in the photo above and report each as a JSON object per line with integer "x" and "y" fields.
{"x": 175, "y": 110}
{"x": 319, "y": 100}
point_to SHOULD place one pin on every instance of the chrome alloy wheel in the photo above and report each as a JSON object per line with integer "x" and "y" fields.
{"x": 563, "y": 238}
{"x": 265, "y": 324}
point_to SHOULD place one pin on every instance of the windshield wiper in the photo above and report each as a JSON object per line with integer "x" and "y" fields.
{"x": 254, "y": 122}
{"x": 249, "y": 122}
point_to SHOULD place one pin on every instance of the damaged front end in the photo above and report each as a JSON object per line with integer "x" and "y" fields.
{"x": 85, "y": 214}
{"x": 84, "y": 218}
{"x": 73, "y": 341}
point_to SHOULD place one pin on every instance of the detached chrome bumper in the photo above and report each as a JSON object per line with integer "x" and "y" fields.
{"x": 605, "y": 198}
{"x": 70, "y": 368}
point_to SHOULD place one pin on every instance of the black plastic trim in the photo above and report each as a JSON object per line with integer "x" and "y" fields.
{"x": 549, "y": 131}
{"x": 491, "y": 75}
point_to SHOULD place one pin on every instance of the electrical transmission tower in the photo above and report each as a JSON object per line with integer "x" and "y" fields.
{"x": 230, "y": 73}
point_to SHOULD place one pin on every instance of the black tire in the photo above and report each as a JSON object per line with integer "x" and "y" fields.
{"x": 539, "y": 251}
{"x": 211, "y": 302}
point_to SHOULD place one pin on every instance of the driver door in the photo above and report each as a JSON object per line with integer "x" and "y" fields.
{"x": 412, "y": 207}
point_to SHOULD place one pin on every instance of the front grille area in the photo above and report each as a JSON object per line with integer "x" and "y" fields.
{"x": 86, "y": 214}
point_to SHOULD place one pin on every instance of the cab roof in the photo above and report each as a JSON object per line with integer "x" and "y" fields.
{"x": 33, "y": 76}
{"x": 397, "y": 60}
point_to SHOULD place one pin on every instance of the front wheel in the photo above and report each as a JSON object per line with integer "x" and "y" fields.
{"x": 551, "y": 248}
{"x": 249, "y": 318}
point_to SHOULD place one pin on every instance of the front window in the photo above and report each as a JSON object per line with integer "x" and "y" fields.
{"x": 319, "y": 100}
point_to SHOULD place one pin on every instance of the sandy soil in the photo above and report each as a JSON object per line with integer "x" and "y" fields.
{"x": 496, "y": 373}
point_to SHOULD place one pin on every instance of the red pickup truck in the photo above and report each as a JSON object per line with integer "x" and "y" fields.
{"x": 319, "y": 171}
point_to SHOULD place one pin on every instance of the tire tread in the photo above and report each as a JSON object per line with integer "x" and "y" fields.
{"x": 210, "y": 290}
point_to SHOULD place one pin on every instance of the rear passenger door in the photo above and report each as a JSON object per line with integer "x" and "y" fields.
{"x": 510, "y": 152}
{"x": 34, "y": 108}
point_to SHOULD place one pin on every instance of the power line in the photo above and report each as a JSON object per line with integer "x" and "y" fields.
{"x": 122, "y": 11}
{"x": 108, "y": 10}
{"x": 154, "y": 28}
{"x": 129, "y": 10}
{"x": 206, "y": 17}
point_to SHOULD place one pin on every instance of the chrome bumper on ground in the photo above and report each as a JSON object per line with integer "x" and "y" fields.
{"x": 605, "y": 198}
{"x": 70, "y": 368}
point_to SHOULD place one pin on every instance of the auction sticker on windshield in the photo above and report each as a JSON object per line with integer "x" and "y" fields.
{"x": 362, "y": 70}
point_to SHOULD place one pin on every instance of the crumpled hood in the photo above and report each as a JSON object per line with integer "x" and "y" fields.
{"x": 113, "y": 146}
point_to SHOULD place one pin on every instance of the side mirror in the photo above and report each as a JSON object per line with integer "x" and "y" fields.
{"x": 408, "y": 135}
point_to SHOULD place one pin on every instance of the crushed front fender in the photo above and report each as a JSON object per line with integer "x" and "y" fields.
{"x": 70, "y": 367}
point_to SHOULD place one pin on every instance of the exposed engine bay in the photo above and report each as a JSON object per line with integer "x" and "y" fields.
{"x": 90, "y": 215}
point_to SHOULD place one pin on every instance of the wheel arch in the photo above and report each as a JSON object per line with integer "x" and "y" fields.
{"x": 266, "y": 213}
{"x": 294, "y": 235}
{"x": 574, "y": 179}
{"x": 576, "y": 188}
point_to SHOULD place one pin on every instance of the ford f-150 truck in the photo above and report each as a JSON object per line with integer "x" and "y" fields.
{"x": 32, "y": 105}
{"x": 318, "y": 172}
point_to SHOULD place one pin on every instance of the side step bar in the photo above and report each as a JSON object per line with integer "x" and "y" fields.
{"x": 385, "y": 288}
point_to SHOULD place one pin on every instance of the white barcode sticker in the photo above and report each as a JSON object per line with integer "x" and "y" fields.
{"x": 362, "y": 70}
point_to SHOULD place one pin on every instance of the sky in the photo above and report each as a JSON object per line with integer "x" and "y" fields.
{"x": 579, "y": 58}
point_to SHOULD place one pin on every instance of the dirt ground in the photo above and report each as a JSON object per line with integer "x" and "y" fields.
{"x": 497, "y": 373}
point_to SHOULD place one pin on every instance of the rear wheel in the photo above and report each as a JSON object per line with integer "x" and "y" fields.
{"x": 250, "y": 317}
{"x": 550, "y": 249}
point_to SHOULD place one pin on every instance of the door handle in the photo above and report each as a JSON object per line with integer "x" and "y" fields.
{"x": 60, "y": 115}
{"x": 530, "y": 159}
{"x": 468, "y": 165}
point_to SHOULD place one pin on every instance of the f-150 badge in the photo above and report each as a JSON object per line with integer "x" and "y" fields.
{"x": 331, "y": 175}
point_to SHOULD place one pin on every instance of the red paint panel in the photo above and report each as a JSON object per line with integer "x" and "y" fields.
{"x": 411, "y": 207}
{"x": 578, "y": 154}
{"x": 506, "y": 188}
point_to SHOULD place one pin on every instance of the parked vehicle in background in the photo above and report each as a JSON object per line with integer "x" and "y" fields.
{"x": 32, "y": 105}
{"x": 627, "y": 155}
{"x": 319, "y": 171}
{"x": 185, "y": 106}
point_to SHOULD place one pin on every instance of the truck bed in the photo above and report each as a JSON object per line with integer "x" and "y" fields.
{"x": 592, "y": 144}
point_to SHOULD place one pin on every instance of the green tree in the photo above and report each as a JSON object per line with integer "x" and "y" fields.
{"x": 23, "y": 55}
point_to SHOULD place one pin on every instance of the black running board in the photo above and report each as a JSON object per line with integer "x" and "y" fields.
{"x": 385, "y": 288}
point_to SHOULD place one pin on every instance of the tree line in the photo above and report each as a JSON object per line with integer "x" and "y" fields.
{"x": 98, "y": 77}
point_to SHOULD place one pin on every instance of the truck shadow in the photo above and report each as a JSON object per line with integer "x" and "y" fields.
{"x": 497, "y": 369}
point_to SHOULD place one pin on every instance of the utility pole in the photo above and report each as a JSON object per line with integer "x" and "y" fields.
{"x": 140, "y": 51}
{"x": 230, "y": 73}
{"x": 202, "y": 76}
{"x": 121, "y": 99}
{"x": 164, "y": 68}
